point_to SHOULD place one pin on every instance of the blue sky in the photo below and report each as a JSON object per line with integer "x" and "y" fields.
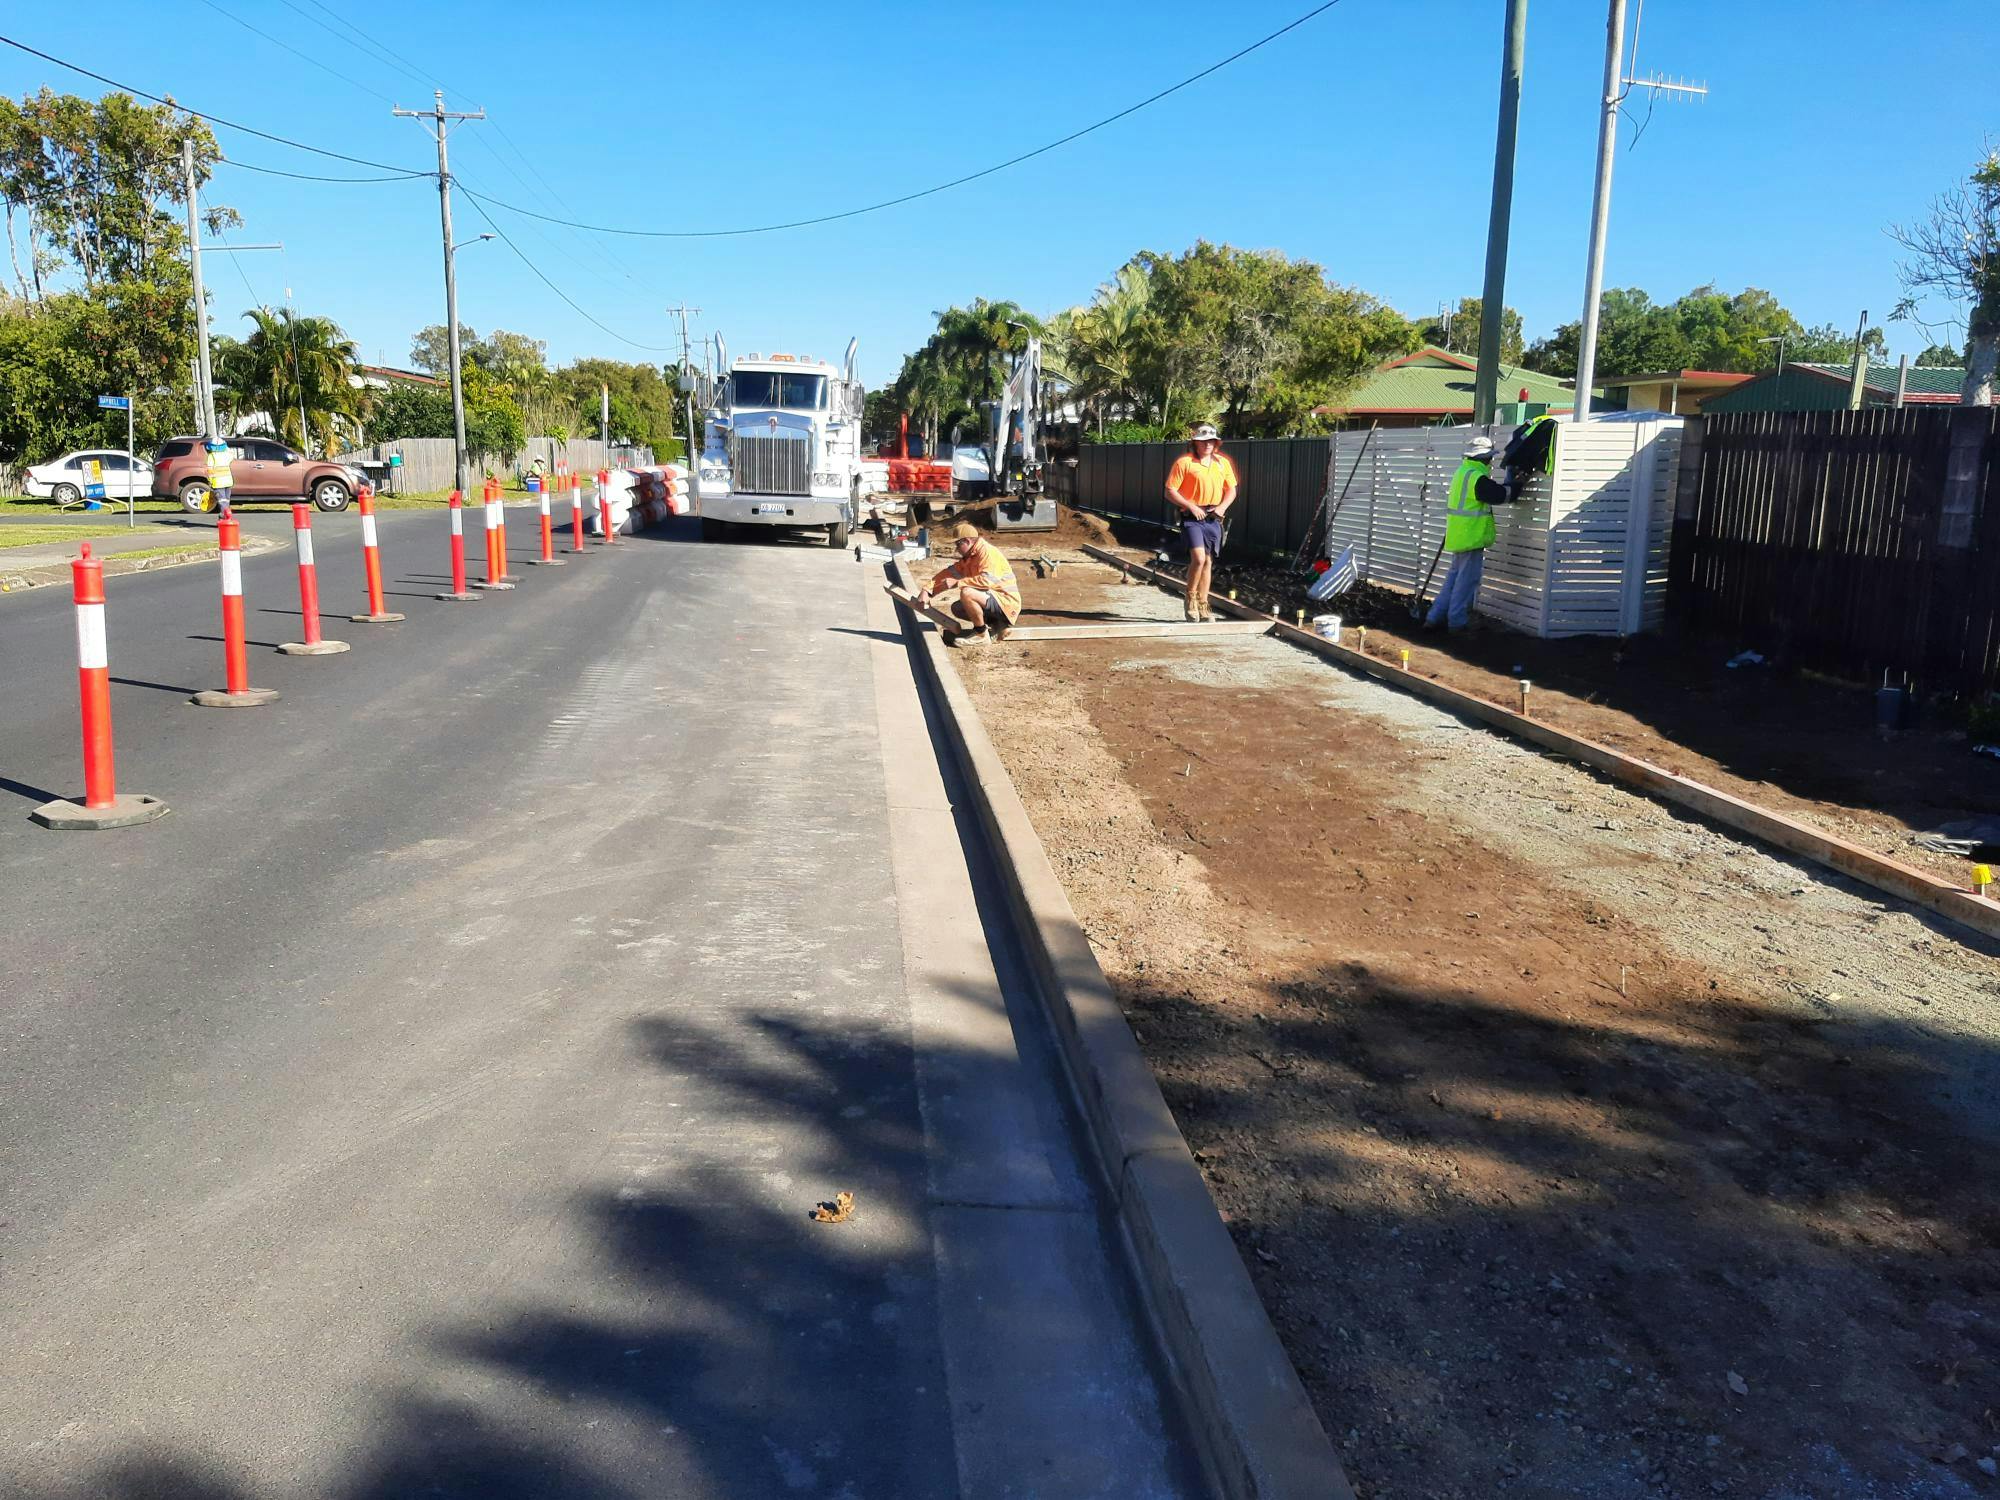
{"x": 1362, "y": 140}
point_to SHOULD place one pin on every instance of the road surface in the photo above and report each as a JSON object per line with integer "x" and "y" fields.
{"x": 433, "y": 1103}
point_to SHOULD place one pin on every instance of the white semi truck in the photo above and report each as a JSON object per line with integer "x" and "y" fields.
{"x": 782, "y": 445}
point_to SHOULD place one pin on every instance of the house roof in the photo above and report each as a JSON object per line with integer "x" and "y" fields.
{"x": 1438, "y": 382}
{"x": 1714, "y": 379}
{"x": 387, "y": 373}
{"x": 1931, "y": 383}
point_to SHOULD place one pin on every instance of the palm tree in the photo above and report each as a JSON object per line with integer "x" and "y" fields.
{"x": 298, "y": 371}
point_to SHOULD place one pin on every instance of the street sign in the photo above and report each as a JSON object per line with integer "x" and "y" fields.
{"x": 115, "y": 403}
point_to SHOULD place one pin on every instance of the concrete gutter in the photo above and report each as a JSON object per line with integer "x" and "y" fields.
{"x": 1889, "y": 876}
{"x": 1251, "y": 1422}
{"x": 13, "y": 578}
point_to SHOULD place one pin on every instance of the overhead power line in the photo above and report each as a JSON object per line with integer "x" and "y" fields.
{"x": 480, "y": 209}
{"x": 942, "y": 187}
{"x": 230, "y": 161}
{"x": 213, "y": 119}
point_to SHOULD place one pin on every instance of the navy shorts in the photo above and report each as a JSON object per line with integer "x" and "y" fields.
{"x": 1207, "y": 535}
{"x": 996, "y": 617}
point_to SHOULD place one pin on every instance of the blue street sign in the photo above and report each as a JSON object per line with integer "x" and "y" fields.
{"x": 115, "y": 403}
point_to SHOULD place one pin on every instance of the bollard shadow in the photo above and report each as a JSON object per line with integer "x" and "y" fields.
{"x": 870, "y": 635}
{"x": 35, "y": 794}
{"x": 267, "y": 645}
{"x": 158, "y": 687}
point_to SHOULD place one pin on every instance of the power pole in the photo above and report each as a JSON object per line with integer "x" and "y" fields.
{"x": 1493, "y": 298}
{"x": 1616, "y": 87}
{"x": 1857, "y": 387}
{"x": 692, "y": 454}
{"x": 204, "y": 375}
{"x": 438, "y": 115}
{"x": 604, "y": 417}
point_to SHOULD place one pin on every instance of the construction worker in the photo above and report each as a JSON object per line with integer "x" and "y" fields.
{"x": 989, "y": 597}
{"x": 1202, "y": 485}
{"x": 1468, "y": 532}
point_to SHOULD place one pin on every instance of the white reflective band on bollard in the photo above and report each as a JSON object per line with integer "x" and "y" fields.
{"x": 493, "y": 515}
{"x": 367, "y": 531}
{"x": 91, "y": 650}
{"x": 232, "y": 572}
{"x": 305, "y": 546}
{"x": 457, "y": 521}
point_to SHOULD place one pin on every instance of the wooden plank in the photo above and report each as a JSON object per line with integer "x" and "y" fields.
{"x": 1133, "y": 629}
{"x": 1882, "y": 873}
{"x": 949, "y": 624}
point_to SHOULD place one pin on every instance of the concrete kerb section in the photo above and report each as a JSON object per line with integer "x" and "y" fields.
{"x": 1889, "y": 876}
{"x": 1250, "y": 1417}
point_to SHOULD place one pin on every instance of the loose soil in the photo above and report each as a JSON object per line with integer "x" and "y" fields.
{"x": 1801, "y": 744}
{"x": 1575, "y": 1147}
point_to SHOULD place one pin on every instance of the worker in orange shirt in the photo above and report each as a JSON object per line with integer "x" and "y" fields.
{"x": 1202, "y": 485}
{"x": 989, "y": 596}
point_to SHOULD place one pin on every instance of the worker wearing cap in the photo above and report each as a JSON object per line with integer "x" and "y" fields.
{"x": 989, "y": 596}
{"x": 1468, "y": 532}
{"x": 1202, "y": 486}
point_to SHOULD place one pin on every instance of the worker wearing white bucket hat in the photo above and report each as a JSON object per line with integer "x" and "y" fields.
{"x": 1202, "y": 485}
{"x": 1468, "y": 532}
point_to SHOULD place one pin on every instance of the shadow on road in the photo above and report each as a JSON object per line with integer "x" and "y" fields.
{"x": 33, "y": 794}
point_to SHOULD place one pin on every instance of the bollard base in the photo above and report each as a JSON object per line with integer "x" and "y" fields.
{"x": 457, "y": 598}
{"x": 387, "y": 616}
{"x": 508, "y": 578}
{"x": 546, "y": 562}
{"x": 314, "y": 648}
{"x": 125, "y": 811}
{"x": 223, "y": 698}
{"x": 498, "y": 583}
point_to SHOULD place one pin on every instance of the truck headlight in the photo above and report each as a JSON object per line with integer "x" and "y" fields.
{"x": 826, "y": 481}
{"x": 714, "y": 476}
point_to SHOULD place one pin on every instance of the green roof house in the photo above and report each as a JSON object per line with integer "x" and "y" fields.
{"x": 1433, "y": 387}
{"x": 1815, "y": 387}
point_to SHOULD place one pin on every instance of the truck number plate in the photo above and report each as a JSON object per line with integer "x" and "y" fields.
{"x": 769, "y": 510}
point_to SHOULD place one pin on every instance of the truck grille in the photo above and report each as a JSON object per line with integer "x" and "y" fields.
{"x": 772, "y": 466}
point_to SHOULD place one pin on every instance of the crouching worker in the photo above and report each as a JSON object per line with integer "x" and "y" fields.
{"x": 989, "y": 597}
{"x": 1468, "y": 532}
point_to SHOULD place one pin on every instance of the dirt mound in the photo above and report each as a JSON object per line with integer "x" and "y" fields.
{"x": 1073, "y": 529}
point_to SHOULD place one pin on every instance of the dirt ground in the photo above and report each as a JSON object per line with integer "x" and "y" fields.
{"x": 1802, "y": 744}
{"x": 1575, "y": 1147}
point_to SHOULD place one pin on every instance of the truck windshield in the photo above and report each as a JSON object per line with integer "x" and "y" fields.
{"x": 778, "y": 389}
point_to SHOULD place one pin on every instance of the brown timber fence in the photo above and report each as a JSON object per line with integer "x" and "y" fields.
{"x": 1283, "y": 480}
{"x": 1861, "y": 543}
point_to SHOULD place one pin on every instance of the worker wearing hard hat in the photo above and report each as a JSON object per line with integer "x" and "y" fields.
{"x": 1202, "y": 485}
{"x": 989, "y": 596}
{"x": 1468, "y": 532}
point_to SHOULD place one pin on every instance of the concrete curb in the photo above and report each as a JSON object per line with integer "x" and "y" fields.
{"x": 1253, "y": 1425}
{"x": 13, "y": 581}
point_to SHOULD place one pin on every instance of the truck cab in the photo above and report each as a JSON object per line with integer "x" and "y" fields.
{"x": 781, "y": 446}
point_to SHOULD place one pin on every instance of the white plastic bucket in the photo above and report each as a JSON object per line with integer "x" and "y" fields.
{"x": 1327, "y": 627}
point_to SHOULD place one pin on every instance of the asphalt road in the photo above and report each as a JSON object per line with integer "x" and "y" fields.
{"x": 433, "y": 1103}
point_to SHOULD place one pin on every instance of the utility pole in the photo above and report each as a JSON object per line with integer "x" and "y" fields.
{"x": 1616, "y": 87}
{"x": 692, "y": 453}
{"x": 438, "y": 115}
{"x": 604, "y": 416}
{"x": 1493, "y": 297}
{"x": 204, "y": 374}
{"x": 1857, "y": 388}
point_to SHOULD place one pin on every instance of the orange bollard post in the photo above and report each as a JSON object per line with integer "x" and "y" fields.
{"x": 371, "y": 563}
{"x": 235, "y": 653}
{"x": 101, "y": 807}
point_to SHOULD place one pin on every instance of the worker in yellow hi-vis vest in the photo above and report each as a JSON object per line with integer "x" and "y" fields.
{"x": 1468, "y": 532}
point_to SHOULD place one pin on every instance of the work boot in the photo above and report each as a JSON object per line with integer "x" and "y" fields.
{"x": 1189, "y": 610}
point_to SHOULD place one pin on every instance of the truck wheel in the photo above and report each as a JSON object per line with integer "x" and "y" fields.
{"x": 836, "y": 536}
{"x": 713, "y": 530}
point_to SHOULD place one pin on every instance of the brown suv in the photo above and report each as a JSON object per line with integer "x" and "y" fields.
{"x": 262, "y": 468}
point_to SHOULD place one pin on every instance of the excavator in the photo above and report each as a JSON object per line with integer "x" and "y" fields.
{"x": 1014, "y": 451}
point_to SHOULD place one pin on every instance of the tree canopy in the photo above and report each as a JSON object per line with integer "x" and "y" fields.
{"x": 1953, "y": 257}
{"x": 1707, "y": 329}
{"x": 1460, "y": 330}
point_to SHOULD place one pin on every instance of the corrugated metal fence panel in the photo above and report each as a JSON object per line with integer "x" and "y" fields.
{"x": 1281, "y": 482}
{"x": 427, "y": 462}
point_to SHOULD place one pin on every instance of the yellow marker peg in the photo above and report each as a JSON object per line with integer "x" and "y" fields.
{"x": 1982, "y": 877}
{"x": 1406, "y": 658}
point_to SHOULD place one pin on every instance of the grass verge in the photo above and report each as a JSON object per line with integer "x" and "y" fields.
{"x": 41, "y": 536}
